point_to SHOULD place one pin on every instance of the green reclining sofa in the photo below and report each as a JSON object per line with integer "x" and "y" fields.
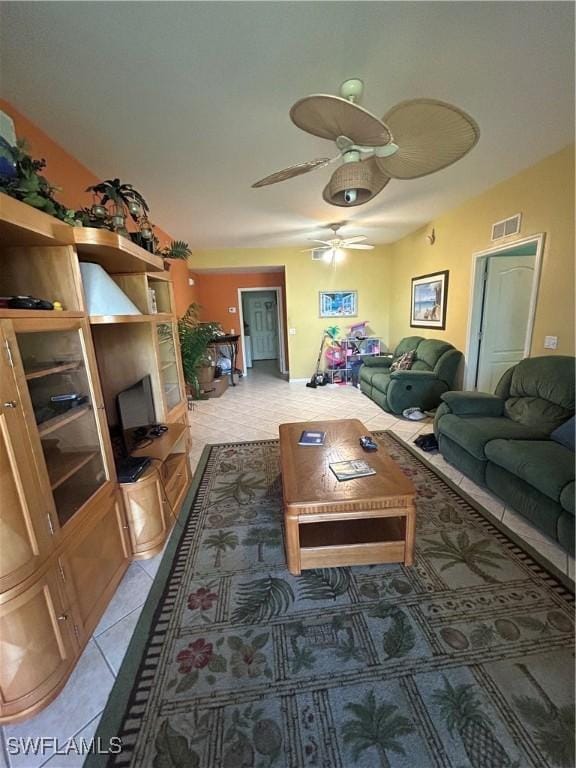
{"x": 433, "y": 372}
{"x": 503, "y": 442}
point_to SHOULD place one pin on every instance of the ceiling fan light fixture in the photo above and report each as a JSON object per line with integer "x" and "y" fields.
{"x": 351, "y": 184}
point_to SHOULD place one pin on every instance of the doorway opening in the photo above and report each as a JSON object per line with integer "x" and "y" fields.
{"x": 502, "y": 308}
{"x": 262, "y": 330}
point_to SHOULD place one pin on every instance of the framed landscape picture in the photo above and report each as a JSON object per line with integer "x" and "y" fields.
{"x": 338, "y": 303}
{"x": 429, "y": 300}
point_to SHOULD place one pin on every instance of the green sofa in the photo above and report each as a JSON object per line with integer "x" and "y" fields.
{"x": 433, "y": 372}
{"x": 502, "y": 441}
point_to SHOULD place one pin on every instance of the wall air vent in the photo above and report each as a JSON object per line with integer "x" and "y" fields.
{"x": 506, "y": 227}
{"x": 318, "y": 254}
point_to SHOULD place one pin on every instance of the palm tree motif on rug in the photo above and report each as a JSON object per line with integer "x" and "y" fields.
{"x": 464, "y": 659}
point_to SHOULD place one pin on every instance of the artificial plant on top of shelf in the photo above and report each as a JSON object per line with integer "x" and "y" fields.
{"x": 20, "y": 178}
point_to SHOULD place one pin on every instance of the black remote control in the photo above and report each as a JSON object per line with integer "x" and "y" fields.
{"x": 368, "y": 443}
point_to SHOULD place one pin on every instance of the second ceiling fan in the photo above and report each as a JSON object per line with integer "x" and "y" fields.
{"x": 332, "y": 250}
{"x": 413, "y": 139}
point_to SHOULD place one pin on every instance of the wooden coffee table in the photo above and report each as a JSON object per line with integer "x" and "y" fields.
{"x": 354, "y": 522}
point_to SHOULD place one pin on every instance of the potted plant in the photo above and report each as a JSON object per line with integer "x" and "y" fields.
{"x": 194, "y": 340}
{"x": 177, "y": 250}
{"x": 20, "y": 178}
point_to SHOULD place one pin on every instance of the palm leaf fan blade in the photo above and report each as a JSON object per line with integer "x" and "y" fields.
{"x": 291, "y": 172}
{"x": 430, "y": 135}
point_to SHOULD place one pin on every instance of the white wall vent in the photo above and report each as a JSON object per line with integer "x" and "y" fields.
{"x": 506, "y": 227}
{"x": 318, "y": 254}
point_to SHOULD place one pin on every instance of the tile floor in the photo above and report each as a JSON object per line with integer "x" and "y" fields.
{"x": 251, "y": 411}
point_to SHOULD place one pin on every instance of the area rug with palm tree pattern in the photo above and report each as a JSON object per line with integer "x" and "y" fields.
{"x": 464, "y": 659}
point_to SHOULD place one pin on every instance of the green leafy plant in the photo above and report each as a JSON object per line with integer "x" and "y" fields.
{"x": 121, "y": 194}
{"x": 27, "y": 184}
{"x": 177, "y": 249}
{"x": 194, "y": 339}
{"x": 324, "y": 583}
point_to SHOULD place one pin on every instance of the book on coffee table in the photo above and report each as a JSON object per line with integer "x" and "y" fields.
{"x": 350, "y": 470}
{"x": 309, "y": 437}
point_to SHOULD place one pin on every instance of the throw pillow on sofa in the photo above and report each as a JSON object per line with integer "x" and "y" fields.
{"x": 564, "y": 434}
{"x": 404, "y": 362}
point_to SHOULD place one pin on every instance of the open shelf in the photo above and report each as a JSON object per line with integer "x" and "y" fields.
{"x": 112, "y": 251}
{"x": 161, "y": 447}
{"x": 46, "y": 427}
{"x": 109, "y": 319}
{"x": 39, "y": 373}
{"x": 25, "y": 314}
{"x": 61, "y": 466}
{"x": 21, "y": 224}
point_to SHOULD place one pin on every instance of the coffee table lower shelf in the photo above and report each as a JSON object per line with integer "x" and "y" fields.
{"x": 365, "y": 541}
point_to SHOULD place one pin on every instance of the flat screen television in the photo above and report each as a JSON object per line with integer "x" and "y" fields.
{"x": 136, "y": 406}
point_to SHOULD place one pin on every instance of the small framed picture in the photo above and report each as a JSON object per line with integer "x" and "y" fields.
{"x": 429, "y": 300}
{"x": 338, "y": 303}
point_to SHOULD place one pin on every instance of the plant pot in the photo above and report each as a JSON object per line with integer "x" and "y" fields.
{"x": 205, "y": 376}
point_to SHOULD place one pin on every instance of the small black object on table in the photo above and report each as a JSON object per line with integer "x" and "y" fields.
{"x": 231, "y": 342}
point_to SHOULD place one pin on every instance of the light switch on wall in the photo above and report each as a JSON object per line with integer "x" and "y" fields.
{"x": 550, "y": 342}
{"x": 291, "y": 331}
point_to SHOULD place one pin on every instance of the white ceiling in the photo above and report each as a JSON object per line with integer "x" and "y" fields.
{"x": 189, "y": 100}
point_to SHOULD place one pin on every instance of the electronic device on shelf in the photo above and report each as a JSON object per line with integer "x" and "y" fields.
{"x": 368, "y": 444}
{"x": 129, "y": 468}
{"x": 136, "y": 411}
{"x": 28, "y": 302}
{"x": 157, "y": 430}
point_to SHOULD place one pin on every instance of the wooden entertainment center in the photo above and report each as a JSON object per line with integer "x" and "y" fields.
{"x": 68, "y": 528}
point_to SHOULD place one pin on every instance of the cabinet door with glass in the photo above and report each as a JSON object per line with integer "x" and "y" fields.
{"x": 169, "y": 367}
{"x": 58, "y": 383}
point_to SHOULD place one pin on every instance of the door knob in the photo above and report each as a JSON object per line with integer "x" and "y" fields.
{"x": 10, "y": 404}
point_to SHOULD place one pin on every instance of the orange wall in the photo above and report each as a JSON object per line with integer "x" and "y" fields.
{"x": 217, "y": 292}
{"x": 184, "y": 294}
{"x": 62, "y": 169}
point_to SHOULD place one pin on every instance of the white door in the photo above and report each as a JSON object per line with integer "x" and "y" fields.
{"x": 261, "y": 313}
{"x": 505, "y": 312}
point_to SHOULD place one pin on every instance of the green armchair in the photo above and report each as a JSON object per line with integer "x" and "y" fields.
{"x": 508, "y": 443}
{"x": 433, "y": 372}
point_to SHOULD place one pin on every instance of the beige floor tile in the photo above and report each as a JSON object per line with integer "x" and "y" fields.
{"x": 73, "y": 760}
{"x": 131, "y": 594}
{"x": 81, "y": 700}
{"x": 114, "y": 641}
{"x": 545, "y": 546}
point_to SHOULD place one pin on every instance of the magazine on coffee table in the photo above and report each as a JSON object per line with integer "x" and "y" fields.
{"x": 350, "y": 470}
{"x": 310, "y": 437}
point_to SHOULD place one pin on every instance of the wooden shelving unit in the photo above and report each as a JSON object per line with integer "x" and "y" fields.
{"x": 40, "y": 373}
{"x": 74, "y": 529}
{"x": 46, "y": 427}
{"x": 62, "y": 466}
{"x": 110, "y": 319}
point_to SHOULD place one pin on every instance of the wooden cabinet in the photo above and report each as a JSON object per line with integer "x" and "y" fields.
{"x": 169, "y": 368}
{"x": 25, "y": 524}
{"x": 147, "y": 523}
{"x": 65, "y": 540}
{"x": 153, "y": 502}
{"x": 94, "y": 561}
{"x": 38, "y": 645}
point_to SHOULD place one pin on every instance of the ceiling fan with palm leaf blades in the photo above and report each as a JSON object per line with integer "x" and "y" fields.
{"x": 332, "y": 250}
{"x": 413, "y": 139}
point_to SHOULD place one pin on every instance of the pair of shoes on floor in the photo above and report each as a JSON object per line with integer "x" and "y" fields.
{"x": 414, "y": 414}
{"x": 427, "y": 442}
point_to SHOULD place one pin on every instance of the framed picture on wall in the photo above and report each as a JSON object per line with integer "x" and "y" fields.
{"x": 338, "y": 303}
{"x": 429, "y": 300}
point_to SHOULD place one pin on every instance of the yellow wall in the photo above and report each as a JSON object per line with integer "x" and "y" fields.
{"x": 544, "y": 194}
{"x": 368, "y": 273}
